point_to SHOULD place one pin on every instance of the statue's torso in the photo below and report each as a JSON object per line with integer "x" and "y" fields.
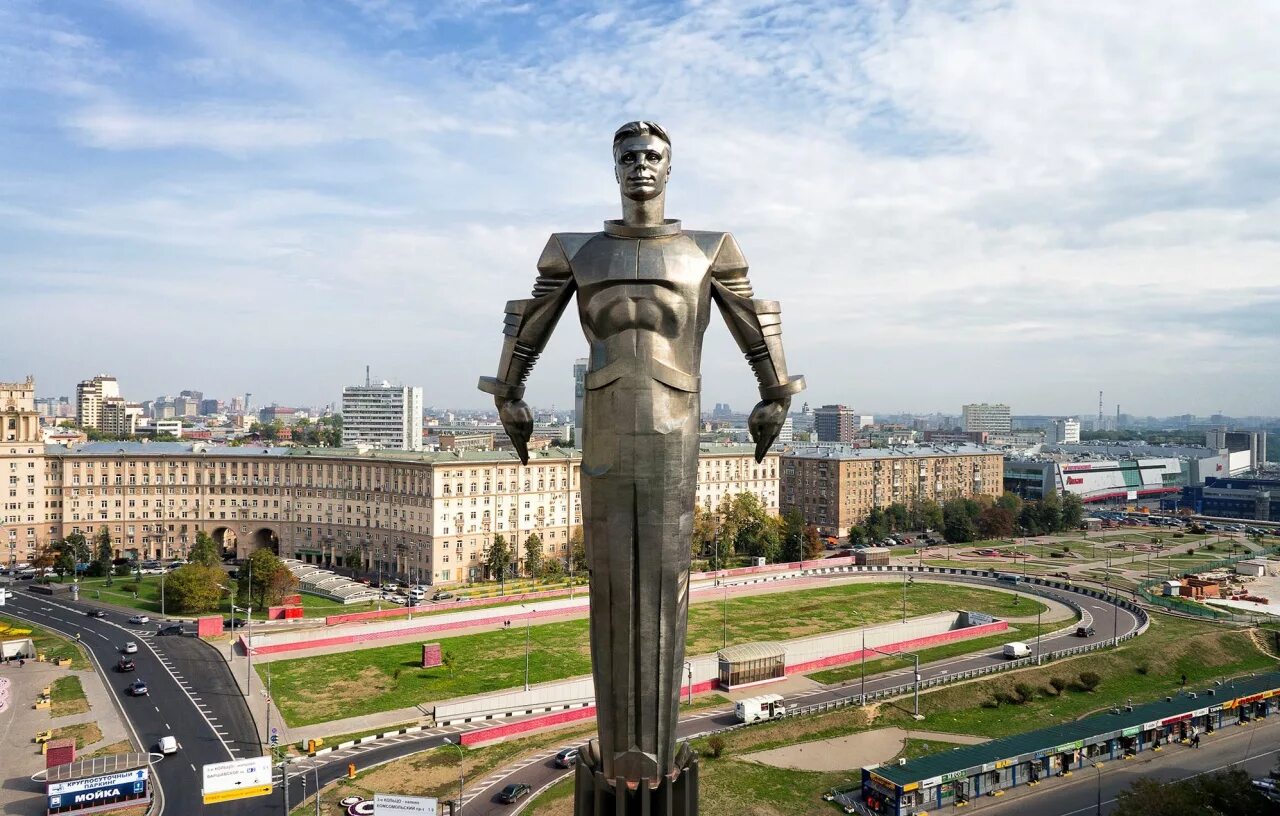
{"x": 644, "y": 304}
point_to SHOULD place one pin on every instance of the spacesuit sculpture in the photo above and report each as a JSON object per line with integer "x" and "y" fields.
{"x": 645, "y": 288}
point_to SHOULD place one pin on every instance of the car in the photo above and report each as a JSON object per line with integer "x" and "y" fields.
{"x": 172, "y": 629}
{"x": 139, "y": 619}
{"x": 125, "y": 665}
{"x": 129, "y": 648}
{"x": 138, "y": 688}
{"x": 514, "y": 793}
{"x": 1084, "y": 631}
{"x": 441, "y": 596}
{"x": 567, "y": 758}
{"x": 167, "y": 745}
{"x": 233, "y": 623}
{"x": 96, "y": 613}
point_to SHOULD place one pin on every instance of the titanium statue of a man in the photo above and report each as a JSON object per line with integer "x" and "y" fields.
{"x": 645, "y": 288}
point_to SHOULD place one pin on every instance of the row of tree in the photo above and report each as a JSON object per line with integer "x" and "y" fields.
{"x": 963, "y": 520}
{"x": 502, "y": 560}
{"x": 742, "y": 526}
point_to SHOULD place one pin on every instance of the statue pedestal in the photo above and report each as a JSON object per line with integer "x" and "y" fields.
{"x": 596, "y": 796}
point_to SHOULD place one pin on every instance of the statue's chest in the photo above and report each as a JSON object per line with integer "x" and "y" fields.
{"x": 653, "y": 284}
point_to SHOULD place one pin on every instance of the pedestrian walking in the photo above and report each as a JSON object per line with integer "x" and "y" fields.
{"x": 1195, "y": 741}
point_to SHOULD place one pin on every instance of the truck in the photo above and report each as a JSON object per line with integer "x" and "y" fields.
{"x": 763, "y": 707}
{"x": 1017, "y": 649}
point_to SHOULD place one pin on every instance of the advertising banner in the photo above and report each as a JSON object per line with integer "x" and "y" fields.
{"x": 96, "y": 790}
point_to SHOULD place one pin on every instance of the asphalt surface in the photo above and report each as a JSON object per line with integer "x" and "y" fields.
{"x": 176, "y": 705}
{"x": 228, "y": 731}
{"x": 1251, "y": 747}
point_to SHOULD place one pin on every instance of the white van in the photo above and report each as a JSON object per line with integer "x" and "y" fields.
{"x": 1017, "y": 649}
{"x": 168, "y": 745}
{"x": 764, "y": 707}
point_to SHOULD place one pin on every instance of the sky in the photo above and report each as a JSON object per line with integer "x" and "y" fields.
{"x": 1019, "y": 202}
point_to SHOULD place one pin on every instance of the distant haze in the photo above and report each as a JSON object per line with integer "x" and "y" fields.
{"x": 1021, "y": 202}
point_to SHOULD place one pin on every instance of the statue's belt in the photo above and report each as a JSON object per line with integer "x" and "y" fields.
{"x": 651, "y": 369}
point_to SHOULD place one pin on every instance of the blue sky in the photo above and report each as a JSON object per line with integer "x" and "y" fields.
{"x": 1002, "y": 201}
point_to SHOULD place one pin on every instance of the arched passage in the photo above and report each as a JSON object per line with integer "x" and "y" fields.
{"x": 225, "y": 538}
{"x": 264, "y": 537}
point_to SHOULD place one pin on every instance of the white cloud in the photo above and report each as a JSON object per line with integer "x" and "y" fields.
{"x": 1072, "y": 188}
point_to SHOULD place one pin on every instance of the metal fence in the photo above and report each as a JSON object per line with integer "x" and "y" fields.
{"x": 1197, "y": 609}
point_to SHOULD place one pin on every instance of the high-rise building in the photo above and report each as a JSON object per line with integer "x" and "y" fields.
{"x": 100, "y": 406}
{"x": 579, "y": 394}
{"x": 22, "y": 470}
{"x": 1064, "y": 431}
{"x": 839, "y": 423}
{"x": 382, "y": 416}
{"x": 992, "y": 418}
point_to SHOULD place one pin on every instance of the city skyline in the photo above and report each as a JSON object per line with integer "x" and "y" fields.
{"x": 962, "y": 203}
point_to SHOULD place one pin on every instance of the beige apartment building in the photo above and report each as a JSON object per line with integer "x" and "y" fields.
{"x": 427, "y": 514}
{"x": 836, "y": 486}
{"x": 23, "y": 510}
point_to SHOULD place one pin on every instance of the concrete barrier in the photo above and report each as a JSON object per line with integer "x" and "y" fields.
{"x": 498, "y": 732}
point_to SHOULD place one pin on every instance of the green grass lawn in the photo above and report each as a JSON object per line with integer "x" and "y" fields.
{"x": 1025, "y": 632}
{"x": 68, "y": 697}
{"x": 52, "y": 646}
{"x": 345, "y": 684}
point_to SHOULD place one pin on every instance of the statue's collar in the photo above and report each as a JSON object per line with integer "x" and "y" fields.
{"x": 620, "y": 230}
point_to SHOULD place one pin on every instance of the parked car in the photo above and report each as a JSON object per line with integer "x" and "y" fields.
{"x": 443, "y": 596}
{"x": 233, "y": 623}
{"x": 138, "y": 688}
{"x": 172, "y": 629}
{"x": 96, "y": 613}
{"x": 130, "y": 648}
{"x": 567, "y": 758}
{"x": 139, "y": 619}
{"x": 125, "y": 665}
{"x": 514, "y": 793}
{"x": 1084, "y": 631}
{"x": 167, "y": 745}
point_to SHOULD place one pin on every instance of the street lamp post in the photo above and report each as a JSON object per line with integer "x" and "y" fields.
{"x": 1097, "y": 768}
{"x": 689, "y": 668}
{"x": 906, "y": 580}
{"x": 461, "y": 758}
{"x": 1038, "y": 634}
{"x": 916, "y": 658}
{"x": 725, "y": 627}
{"x": 528, "y": 621}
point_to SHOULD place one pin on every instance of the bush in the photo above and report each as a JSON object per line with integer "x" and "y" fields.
{"x": 1210, "y": 547}
{"x": 1090, "y": 680}
{"x": 715, "y": 745}
{"x": 1056, "y": 554}
{"x": 123, "y": 570}
{"x": 991, "y": 702}
{"x": 1177, "y": 535}
{"x": 1066, "y": 548}
{"x": 1142, "y": 668}
{"x": 128, "y": 587}
{"x": 1059, "y": 684}
{"x": 1024, "y": 692}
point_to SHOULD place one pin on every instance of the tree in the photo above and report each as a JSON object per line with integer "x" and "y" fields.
{"x": 813, "y": 544}
{"x": 578, "y": 550}
{"x": 1049, "y": 512}
{"x": 704, "y": 531}
{"x": 205, "y": 551}
{"x": 102, "y": 552}
{"x": 876, "y": 525}
{"x": 1011, "y": 502}
{"x": 757, "y": 532}
{"x": 1212, "y": 794}
{"x": 726, "y": 533}
{"x": 995, "y": 522}
{"x": 533, "y": 555}
{"x": 930, "y": 515}
{"x": 64, "y": 562}
{"x": 272, "y": 580}
{"x": 1072, "y": 512}
{"x": 793, "y": 541}
{"x": 959, "y": 521}
{"x": 194, "y": 588}
{"x": 899, "y": 517}
{"x": 498, "y": 558}
{"x": 79, "y": 547}
{"x": 858, "y": 535}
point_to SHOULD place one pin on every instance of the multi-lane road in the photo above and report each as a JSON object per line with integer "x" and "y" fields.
{"x": 194, "y": 697}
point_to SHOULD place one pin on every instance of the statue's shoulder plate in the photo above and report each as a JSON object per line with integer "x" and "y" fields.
{"x": 568, "y": 244}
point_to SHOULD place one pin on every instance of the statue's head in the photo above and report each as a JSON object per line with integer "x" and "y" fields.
{"x": 641, "y": 160}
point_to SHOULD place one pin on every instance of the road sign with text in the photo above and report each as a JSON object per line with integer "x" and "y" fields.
{"x": 239, "y": 779}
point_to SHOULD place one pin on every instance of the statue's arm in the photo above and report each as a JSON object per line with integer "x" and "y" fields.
{"x": 527, "y": 327}
{"x": 756, "y": 326}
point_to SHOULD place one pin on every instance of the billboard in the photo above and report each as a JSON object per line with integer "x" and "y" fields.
{"x": 97, "y": 790}
{"x": 391, "y": 805}
{"x": 238, "y": 779}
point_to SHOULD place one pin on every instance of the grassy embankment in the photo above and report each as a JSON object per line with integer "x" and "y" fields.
{"x": 345, "y": 684}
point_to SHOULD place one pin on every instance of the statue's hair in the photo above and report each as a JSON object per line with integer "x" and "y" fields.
{"x": 640, "y": 128}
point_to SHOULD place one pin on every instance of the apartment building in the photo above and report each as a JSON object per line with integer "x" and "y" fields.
{"x": 382, "y": 416}
{"x": 100, "y": 406}
{"x": 839, "y": 423}
{"x": 433, "y": 514}
{"x": 836, "y": 486}
{"x": 23, "y": 509}
{"x": 992, "y": 418}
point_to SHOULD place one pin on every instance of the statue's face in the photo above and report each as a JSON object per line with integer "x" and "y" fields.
{"x": 641, "y": 166}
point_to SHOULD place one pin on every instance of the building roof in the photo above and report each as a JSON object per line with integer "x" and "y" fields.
{"x": 97, "y": 766}
{"x": 1020, "y": 747}
{"x": 742, "y": 652}
{"x": 848, "y": 452}
{"x": 198, "y": 448}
